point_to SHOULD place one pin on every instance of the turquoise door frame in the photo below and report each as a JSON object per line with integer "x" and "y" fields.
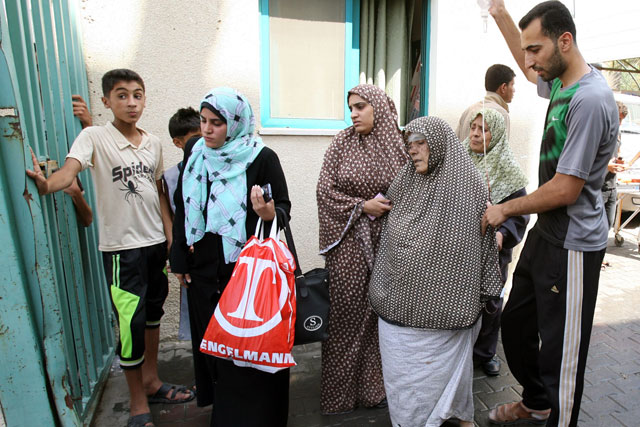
{"x": 352, "y": 53}
{"x": 351, "y": 63}
{"x": 56, "y": 336}
{"x": 425, "y": 52}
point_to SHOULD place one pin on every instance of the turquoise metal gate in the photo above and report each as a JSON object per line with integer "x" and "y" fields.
{"x": 56, "y": 339}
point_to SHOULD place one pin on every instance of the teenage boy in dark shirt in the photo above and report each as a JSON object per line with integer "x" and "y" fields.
{"x": 183, "y": 126}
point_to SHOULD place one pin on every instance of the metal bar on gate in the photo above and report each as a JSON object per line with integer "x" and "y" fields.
{"x": 59, "y": 213}
{"x": 22, "y": 371}
{"x": 78, "y": 325}
{"x": 66, "y": 305}
{"x": 93, "y": 324}
{"x": 97, "y": 293}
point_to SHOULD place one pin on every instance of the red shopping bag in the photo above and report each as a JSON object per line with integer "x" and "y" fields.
{"x": 254, "y": 322}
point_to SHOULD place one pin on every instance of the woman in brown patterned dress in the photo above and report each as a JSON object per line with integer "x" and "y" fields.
{"x": 358, "y": 168}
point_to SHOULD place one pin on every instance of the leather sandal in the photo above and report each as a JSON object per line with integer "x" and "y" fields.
{"x": 516, "y": 413}
{"x": 160, "y": 396}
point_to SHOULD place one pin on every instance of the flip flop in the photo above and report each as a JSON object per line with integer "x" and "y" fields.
{"x": 516, "y": 413}
{"x": 141, "y": 420}
{"x": 160, "y": 396}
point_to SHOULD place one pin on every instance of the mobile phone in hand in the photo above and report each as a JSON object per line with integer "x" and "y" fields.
{"x": 378, "y": 196}
{"x": 266, "y": 193}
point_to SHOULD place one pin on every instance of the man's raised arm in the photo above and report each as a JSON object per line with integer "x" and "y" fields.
{"x": 511, "y": 35}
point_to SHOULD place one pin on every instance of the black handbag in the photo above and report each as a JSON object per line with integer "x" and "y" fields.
{"x": 312, "y": 297}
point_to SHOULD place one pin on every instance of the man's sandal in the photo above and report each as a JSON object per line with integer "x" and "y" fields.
{"x": 160, "y": 396}
{"x": 142, "y": 420}
{"x": 516, "y": 413}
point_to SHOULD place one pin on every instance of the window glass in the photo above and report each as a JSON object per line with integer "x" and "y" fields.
{"x": 307, "y": 59}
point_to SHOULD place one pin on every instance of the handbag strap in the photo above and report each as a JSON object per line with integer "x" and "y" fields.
{"x": 275, "y": 232}
{"x": 259, "y": 229}
{"x": 300, "y": 281}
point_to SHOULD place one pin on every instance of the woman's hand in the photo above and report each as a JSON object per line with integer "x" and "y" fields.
{"x": 266, "y": 211}
{"x": 184, "y": 279}
{"x": 499, "y": 240}
{"x": 377, "y": 207}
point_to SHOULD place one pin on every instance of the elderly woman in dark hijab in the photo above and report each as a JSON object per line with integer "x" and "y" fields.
{"x": 358, "y": 167}
{"x": 433, "y": 274}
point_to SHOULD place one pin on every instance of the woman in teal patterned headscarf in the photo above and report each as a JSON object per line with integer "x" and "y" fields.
{"x": 494, "y": 159}
{"x": 224, "y": 166}
{"x": 217, "y": 207}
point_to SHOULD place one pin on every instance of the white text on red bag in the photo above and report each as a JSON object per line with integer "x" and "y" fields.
{"x": 253, "y": 323}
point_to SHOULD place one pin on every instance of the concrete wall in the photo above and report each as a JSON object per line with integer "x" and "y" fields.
{"x": 460, "y": 56}
{"x": 608, "y": 30}
{"x": 182, "y": 49}
{"x": 461, "y": 53}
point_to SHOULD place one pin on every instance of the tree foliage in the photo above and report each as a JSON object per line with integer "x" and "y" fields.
{"x": 623, "y": 74}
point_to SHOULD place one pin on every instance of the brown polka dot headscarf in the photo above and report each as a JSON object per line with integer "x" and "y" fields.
{"x": 358, "y": 167}
{"x": 434, "y": 268}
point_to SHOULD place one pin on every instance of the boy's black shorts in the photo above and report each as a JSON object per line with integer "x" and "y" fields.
{"x": 138, "y": 286}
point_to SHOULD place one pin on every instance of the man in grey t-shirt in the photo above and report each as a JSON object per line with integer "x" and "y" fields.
{"x": 555, "y": 283}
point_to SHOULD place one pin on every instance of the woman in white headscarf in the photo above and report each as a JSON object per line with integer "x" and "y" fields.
{"x": 434, "y": 272}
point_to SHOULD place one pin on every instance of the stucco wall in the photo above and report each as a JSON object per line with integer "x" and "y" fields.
{"x": 460, "y": 55}
{"x": 461, "y": 52}
{"x": 184, "y": 48}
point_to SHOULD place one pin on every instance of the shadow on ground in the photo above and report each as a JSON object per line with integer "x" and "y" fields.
{"x": 612, "y": 379}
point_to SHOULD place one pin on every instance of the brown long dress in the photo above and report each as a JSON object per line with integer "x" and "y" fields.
{"x": 355, "y": 169}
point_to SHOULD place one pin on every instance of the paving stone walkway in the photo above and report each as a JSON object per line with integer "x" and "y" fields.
{"x": 612, "y": 387}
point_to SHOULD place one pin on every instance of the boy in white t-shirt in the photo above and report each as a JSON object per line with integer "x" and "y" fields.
{"x": 134, "y": 228}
